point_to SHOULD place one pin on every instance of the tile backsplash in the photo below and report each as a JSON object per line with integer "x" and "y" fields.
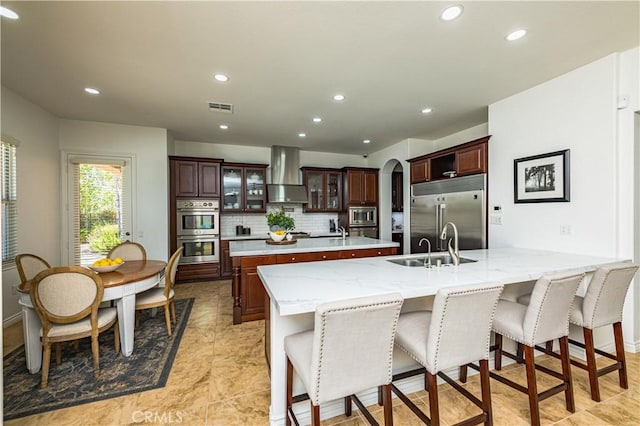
{"x": 305, "y": 222}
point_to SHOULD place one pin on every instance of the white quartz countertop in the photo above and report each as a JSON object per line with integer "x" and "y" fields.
{"x": 300, "y": 287}
{"x": 306, "y": 245}
{"x": 260, "y": 236}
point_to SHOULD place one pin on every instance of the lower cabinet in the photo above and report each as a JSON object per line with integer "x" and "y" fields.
{"x": 197, "y": 272}
{"x": 398, "y": 237}
{"x": 249, "y": 296}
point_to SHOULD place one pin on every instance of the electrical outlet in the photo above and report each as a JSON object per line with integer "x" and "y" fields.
{"x": 495, "y": 219}
{"x": 565, "y": 229}
{"x": 140, "y": 234}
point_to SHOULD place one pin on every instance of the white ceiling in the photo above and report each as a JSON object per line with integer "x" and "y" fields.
{"x": 154, "y": 63}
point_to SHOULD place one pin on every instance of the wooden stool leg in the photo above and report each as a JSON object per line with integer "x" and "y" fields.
{"x": 347, "y": 406}
{"x": 622, "y": 372}
{"x": 497, "y": 360}
{"x": 380, "y": 396}
{"x": 519, "y": 353}
{"x": 433, "y": 399}
{"x": 462, "y": 373}
{"x": 566, "y": 374}
{"x": 532, "y": 385}
{"x": 486, "y": 391}
{"x": 315, "y": 415}
{"x": 289, "y": 395}
{"x": 592, "y": 368}
{"x": 388, "y": 405}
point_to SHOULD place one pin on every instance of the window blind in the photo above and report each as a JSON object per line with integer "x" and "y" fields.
{"x": 9, "y": 203}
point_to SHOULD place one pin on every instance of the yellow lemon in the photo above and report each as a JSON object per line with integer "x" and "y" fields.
{"x": 118, "y": 260}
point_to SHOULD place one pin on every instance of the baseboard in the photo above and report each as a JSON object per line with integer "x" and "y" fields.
{"x": 12, "y": 320}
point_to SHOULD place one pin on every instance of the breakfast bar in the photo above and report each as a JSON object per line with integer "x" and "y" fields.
{"x": 295, "y": 290}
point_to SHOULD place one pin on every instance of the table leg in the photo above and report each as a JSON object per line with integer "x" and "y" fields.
{"x": 32, "y": 345}
{"x": 126, "y": 319}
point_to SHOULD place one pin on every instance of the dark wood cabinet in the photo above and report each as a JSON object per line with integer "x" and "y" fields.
{"x": 197, "y": 272}
{"x": 244, "y": 188}
{"x": 355, "y": 254}
{"x": 226, "y": 267}
{"x": 361, "y": 187}
{"x": 461, "y": 160}
{"x": 398, "y": 237}
{"x": 397, "y": 199}
{"x": 196, "y": 178}
{"x": 324, "y": 190}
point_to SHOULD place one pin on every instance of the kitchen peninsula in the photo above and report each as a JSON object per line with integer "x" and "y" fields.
{"x": 296, "y": 290}
{"x": 249, "y": 297}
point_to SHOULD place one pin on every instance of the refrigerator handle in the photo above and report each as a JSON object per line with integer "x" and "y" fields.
{"x": 438, "y": 226}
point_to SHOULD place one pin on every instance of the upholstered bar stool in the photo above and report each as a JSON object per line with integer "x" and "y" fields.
{"x": 455, "y": 333}
{"x": 601, "y": 306}
{"x": 545, "y": 318}
{"x": 349, "y": 350}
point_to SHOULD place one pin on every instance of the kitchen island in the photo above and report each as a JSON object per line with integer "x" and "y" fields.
{"x": 296, "y": 290}
{"x": 249, "y": 296}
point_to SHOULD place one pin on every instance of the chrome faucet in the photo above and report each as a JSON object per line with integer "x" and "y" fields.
{"x": 453, "y": 251}
{"x": 343, "y": 231}
{"x": 427, "y": 263}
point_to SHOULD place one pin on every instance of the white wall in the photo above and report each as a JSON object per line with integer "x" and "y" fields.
{"x": 148, "y": 146}
{"x": 463, "y": 136}
{"x": 37, "y": 186}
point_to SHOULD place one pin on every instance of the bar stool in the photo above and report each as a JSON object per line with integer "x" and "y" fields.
{"x": 601, "y": 306}
{"x": 455, "y": 333}
{"x": 545, "y": 318}
{"x": 349, "y": 350}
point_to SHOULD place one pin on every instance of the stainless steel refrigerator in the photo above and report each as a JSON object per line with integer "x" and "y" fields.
{"x": 459, "y": 200}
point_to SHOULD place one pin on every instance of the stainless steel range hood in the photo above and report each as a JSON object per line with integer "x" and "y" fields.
{"x": 285, "y": 184}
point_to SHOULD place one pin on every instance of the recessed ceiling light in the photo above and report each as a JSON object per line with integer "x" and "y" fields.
{"x": 426, "y": 110}
{"x": 317, "y": 119}
{"x": 221, "y": 77}
{"x": 224, "y": 126}
{"x": 518, "y": 34}
{"x": 92, "y": 91}
{"x": 8, "y": 13}
{"x": 451, "y": 13}
{"x": 338, "y": 97}
{"x": 366, "y": 141}
{"x": 302, "y": 135}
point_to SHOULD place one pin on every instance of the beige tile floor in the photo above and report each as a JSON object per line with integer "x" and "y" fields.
{"x": 220, "y": 377}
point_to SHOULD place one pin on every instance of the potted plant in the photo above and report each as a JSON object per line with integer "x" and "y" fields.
{"x": 278, "y": 220}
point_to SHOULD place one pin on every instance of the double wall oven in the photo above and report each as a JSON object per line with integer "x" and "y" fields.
{"x": 198, "y": 230}
{"x": 363, "y": 222}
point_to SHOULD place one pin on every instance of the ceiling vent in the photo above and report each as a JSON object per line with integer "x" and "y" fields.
{"x": 221, "y": 107}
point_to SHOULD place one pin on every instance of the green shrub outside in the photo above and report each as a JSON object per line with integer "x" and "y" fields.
{"x": 104, "y": 238}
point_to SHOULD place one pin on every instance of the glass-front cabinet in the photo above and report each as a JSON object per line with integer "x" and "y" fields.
{"x": 244, "y": 188}
{"x": 324, "y": 189}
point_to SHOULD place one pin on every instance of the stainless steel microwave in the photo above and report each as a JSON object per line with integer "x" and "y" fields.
{"x": 363, "y": 216}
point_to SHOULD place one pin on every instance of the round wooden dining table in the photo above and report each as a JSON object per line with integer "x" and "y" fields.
{"x": 121, "y": 285}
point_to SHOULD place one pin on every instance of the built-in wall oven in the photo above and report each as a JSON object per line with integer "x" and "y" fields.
{"x": 198, "y": 230}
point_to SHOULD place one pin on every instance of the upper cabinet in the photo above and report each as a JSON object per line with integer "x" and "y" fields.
{"x": 396, "y": 193}
{"x": 324, "y": 189}
{"x": 195, "y": 178}
{"x": 244, "y": 188}
{"x": 361, "y": 186}
{"x": 462, "y": 160}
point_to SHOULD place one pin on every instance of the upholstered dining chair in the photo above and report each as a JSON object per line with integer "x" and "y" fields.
{"x": 600, "y": 306}
{"x": 456, "y": 332}
{"x": 350, "y": 349}
{"x": 128, "y": 250}
{"x": 66, "y": 299}
{"x": 29, "y": 265}
{"x": 545, "y": 318}
{"x": 163, "y": 296}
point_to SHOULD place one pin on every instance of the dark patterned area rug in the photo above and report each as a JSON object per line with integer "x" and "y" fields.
{"x": 72, "y": 382}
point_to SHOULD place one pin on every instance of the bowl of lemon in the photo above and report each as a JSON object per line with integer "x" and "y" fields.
{"x": 277, "y": 236}
{"x": 106, "y": 264}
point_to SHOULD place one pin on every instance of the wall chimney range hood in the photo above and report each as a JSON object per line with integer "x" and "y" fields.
{"x": 285, "y": 184}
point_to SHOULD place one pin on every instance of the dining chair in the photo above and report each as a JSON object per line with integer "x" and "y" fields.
{"x": 29, "y": 265}
{"x": 349, "y": 350}
{"x": 456, "y": 332}
{"x": 66, "y": 299}
{"x": 128, "y": 250}
{"x": 163, "y": 296}
{"x": 545, "y": 318}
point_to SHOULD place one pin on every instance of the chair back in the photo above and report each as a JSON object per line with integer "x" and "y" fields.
{"x": 353, "y": 336}
{"x": 29, "y": 265}
{"x": 604, "y": 299}
{"x": 128, "y": 251}
{"x": 460, "y": 329}
{"x": 170, "y": 271}
{"x": 66, "y": 294}
{"x": 547, "y": 316}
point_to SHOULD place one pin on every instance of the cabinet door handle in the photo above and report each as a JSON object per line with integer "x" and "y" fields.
{"x": 353, "y": 255}
{"x": 324, "y": 257}
{"x": 379, "y": 253}
{"x": 293, "y": 258}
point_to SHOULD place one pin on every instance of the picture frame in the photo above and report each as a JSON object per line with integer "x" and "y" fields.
{"x": 542, "y": 178}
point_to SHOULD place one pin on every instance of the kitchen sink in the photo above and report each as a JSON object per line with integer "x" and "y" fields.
{"x": 445, "y": 260}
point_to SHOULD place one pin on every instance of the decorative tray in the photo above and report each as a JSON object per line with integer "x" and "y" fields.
{"x": 283, "y": 242}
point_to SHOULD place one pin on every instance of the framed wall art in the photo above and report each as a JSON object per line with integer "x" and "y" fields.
{"x": 541, "y": 178}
